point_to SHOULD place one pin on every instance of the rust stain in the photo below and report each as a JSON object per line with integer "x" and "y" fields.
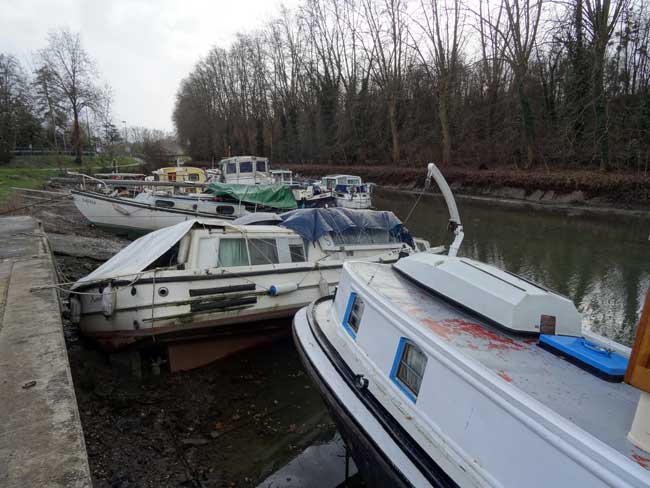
{"x": 439, "y": 328}
{"x": 644, "y": 462}
{"x": 504, "y": 376}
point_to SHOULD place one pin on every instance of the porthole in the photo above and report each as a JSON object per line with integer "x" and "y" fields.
{"x": 163, "y": 292}
{"x": 133, "y": 291}
{"x": 136, "y": 324}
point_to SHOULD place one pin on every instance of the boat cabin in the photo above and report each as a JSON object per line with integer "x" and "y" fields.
{"x": 282, "y": 176}
{"x": 332, "y": 181}
{"x": 183, "y": 174}
{"x": 247, "y": 170}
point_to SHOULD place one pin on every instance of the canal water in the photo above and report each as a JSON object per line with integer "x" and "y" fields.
{"x": 601, "y": 261}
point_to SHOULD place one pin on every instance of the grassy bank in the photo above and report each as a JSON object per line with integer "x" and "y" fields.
{"x": 616, "y": 189}
{"x": 34, "y": 171}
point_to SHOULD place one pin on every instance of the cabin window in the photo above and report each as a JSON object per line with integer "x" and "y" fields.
{"x": 246, "y": 167}
{"x": 408, "y": 368}
{"x": 193, "y": 177}
{"x": 353, "y": 314}
{"x": 260, "y": 166}
{"x": 363, "y": 236}
{"x": 263, "y": 251}
{"x": 231, "y": 168}
{"x": 297, "y": 251}
{"x": 164, "y": 204}
{"x": 225, "y": 210}
{"x": 233, "y": 252}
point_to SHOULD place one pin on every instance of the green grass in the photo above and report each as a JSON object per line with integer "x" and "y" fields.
{"x": 34, "y": 171}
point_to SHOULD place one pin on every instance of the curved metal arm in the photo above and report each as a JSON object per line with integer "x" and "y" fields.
{"x": 454, "y": 217}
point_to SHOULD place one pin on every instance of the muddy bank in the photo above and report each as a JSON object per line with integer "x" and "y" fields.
{"x": 231, "y": 423}
{"x": 565, "y": 187}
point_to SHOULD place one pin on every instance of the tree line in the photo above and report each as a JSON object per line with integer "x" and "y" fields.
{"x": 492, "y": 82}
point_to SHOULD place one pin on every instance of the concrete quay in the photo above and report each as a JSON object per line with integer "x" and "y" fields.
{"x": 41, "y": 438}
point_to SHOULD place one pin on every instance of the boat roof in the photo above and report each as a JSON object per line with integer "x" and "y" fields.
{"x": 341, "y": 176}
{"x": 603, "y": 409}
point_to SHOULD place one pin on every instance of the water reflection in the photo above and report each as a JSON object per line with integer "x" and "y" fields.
{"x": 600, "y": 261}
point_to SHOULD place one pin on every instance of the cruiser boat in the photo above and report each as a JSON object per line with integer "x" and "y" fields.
{"x": 444, "y": 371}
{"x": 150, "y": 211}
{"x": 348, "y": 191}
{"x": 245, "y": 170}
{"x": 210, "y": 276}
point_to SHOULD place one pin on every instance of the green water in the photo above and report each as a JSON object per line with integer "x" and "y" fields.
{"x": 600, "y": 261}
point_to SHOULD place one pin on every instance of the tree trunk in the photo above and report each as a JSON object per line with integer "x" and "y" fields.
{"x": 601, "y": 142}
{"x": 529, "y": 124}
{"x": 76, "y": 138}
{"x": 443, "y": 115}
{"x": 394, "y": 131}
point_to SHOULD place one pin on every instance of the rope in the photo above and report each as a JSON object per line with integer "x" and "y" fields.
{"x": 415, "y": 204}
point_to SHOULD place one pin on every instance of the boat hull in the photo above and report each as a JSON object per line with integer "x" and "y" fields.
{"x": 357, "y": 201}
{"x": 375, "y": 467}
{"x": 128, "y": 216}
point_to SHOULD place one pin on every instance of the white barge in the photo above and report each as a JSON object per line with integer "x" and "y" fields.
{"x": 201, "y": 274}
{"x": 433, "y": 370}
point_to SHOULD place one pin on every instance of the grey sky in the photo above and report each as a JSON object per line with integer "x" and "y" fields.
{"x": 142, "y": 48}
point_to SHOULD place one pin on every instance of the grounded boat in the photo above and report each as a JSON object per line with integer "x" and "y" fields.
{"x": 348, "y": 191}
{"x": 213, "y": 275}
{"x": 444, "y": 371}
{"x": 150, "y": 211}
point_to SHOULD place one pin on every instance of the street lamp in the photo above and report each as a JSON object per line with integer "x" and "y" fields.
{"x": 126, "y": 139}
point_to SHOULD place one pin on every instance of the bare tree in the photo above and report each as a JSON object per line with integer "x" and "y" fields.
{"x": 601, "y": 17}
{"x": 443, "y": 24}
{"x": 389, "y": 34}
{"x": 73, "y": 76}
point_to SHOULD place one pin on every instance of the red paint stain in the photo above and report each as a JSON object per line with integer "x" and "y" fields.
{"x": 644, "y": 462}
{"x": 504, "y": 376}
{"x": 439, "y": 328}
{"x": 450, "y": 328}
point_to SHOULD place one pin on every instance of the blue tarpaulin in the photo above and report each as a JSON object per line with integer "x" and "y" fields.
{"x": 313, "y": 223}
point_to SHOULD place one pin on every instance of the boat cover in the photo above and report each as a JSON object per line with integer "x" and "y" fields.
{"x": 313, "y": 223}
{"x": 143, "y": 251}
{"x": 274, "y": 196}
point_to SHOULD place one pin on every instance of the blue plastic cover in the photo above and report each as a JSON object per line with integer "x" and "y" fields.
{"x": 608, "y": 362}
{"x": 313, "y": 223}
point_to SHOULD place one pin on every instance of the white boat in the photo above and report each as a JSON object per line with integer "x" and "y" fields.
{"x": 433, "y": 370}
{"x": 348, "y": 191}
{"x": 245, "y": 170}
{"x": 206, "y": 274}
{"x": 148, "y": 211}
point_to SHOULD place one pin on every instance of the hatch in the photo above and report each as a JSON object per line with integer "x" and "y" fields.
{"x": 500, "y": 297}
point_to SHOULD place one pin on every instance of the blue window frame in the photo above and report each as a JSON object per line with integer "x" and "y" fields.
{"x": 353, "y": 313}
{"x": 408, "y": 368}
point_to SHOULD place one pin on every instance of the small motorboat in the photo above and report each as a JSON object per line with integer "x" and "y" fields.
{"x": 348, "y": 191}
{"x": 444, "y": 371}
{"x": 214, "y": 275}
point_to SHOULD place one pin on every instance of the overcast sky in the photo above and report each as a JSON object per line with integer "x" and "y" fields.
{"x": 142, "y": 48}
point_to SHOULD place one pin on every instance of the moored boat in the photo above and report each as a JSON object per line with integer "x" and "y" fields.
{"x": 348, "y": 191}
{"x": 207, "y": 274}
{"x": 444, "y": 371}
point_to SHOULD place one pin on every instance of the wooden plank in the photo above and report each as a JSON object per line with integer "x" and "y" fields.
{"x": 638, "y": 370}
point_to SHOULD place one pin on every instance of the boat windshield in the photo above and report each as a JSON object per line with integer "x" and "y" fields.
{"x": 260, "y": 165}
{"x": 246, "y": 167}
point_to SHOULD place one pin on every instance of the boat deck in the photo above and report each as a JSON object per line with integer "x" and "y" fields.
{"x": 604, "y": 410}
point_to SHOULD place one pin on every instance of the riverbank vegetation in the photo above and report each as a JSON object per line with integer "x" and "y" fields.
{"x": 528, "y": 84}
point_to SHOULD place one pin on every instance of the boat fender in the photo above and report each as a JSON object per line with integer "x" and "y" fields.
{"x": 276, "y": 290}
{"x": 323, "y": 287}
{"x": 108, "y": 301}
{"x": 75, "y": 310}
